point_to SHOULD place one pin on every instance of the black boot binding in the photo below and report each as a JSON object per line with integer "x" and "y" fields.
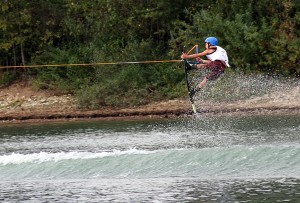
{"x": 189, "y": 66}
{"x": 193, "y": 92}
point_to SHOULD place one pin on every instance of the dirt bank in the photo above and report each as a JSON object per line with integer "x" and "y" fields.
{"x": 20, "y": 103}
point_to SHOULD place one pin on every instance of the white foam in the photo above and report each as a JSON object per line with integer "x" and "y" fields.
{"x": 16, "y": 158}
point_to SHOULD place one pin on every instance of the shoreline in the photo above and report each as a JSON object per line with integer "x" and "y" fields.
{"x": 19, "y": 103}
{"x": 136, "y": 114}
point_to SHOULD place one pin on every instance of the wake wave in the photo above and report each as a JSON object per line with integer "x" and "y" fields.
{"x": 16, "y": 158}
{"x": 236, "y": 161}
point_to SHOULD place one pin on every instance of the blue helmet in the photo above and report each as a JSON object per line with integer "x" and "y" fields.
{"x": 212, "y": 41}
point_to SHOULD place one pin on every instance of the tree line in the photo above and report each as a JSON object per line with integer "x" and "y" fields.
{"x": 259, "y": 36}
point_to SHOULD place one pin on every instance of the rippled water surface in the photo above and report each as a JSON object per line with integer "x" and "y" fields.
{"x": 216, "y": 159}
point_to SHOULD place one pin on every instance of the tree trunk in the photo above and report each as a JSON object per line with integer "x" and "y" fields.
{"x": 15, "y": 56}
{"x": 23, "y": 55}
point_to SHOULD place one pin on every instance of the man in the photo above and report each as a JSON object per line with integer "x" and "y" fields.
{"x": 217, "y": 62}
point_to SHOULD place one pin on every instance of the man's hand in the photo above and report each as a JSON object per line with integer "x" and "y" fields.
{"x": 184, "y": 56}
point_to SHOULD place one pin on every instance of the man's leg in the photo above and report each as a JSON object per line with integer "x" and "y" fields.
{"x": 198, "y": 87}
{"x": 202, "y": 83}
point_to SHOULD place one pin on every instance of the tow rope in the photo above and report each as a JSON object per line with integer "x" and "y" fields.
{"x": 92, "y": 64}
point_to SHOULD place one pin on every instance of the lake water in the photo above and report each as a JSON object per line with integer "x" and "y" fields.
{"x": 215, "y": 159}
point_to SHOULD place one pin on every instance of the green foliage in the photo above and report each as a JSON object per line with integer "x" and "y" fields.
{"x": 61, "y": 79}
{"x": 259, "y": 36}
{"x": 7, "y": 77}
{"x": 131, "y": 85}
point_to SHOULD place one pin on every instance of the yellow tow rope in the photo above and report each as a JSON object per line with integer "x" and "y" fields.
{"x": 91, "y": 64}
{"x": 98, "y": 64}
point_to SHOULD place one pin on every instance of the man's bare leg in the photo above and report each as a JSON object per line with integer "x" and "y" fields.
{"x": 201, "y": 84}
